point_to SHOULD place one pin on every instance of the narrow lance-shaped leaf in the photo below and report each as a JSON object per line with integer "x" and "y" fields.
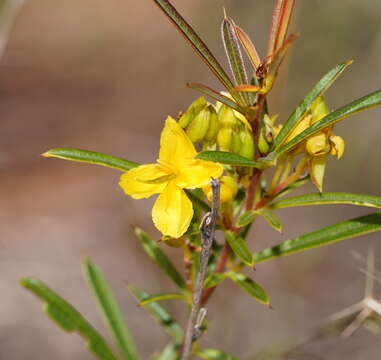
{"x": 110, "y": 310}
{"x": 68, "y": 318}
{"x": 228, "y": 158}
{"x": 217, "y": 96}
{"x": 234, "y": 55}
{"x": 328, "y": 235}
{"x": 159, "y": 313}
{"x": 198, "y": 45}
{"x": 284, "y": 22}
{"x": 249, "y": 47}
{"x": 328, "y": 198}
{"x": 250, "y": 286}
{"x": 366, "y": 102}
{"x": 91, "y": 157}
{"x": 214, "y": 280}
{"x": 214, "y": 354}
{"x": 271, "y": 218}
{"x": 161, "y": 297}
{"x": 240, "y": 248}
{"x": 158, "y": 256}
{"x": 246, "y": 218}
{"x": 170, "y": 352}
{"x": 323, "y": 85}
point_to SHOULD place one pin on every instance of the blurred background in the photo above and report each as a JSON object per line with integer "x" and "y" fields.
{"x": 103, "y": 75}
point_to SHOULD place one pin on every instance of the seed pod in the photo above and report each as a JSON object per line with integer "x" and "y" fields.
{"x": 199, "y": 126}
{"x": 214, "y": 125}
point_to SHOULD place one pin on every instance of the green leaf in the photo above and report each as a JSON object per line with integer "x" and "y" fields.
{"x": 159, "y": 313}
{"x": 68, "y": 318}
{"x": 271, "y": 218}
{"x": 328, "y": 235}
{"x": 110, "y": 310}
{"x": 158, "y": 256}
{"x": 198, "y": 45}
{"x": 250, "y": 286}
{"x": 240, "y": 248}
{"x": 332, "y": 118}
{"x": 214, "y": 280}
{"x": 234, "y": 55}
{"x": 323, "y": 85}
{"x": 246, "y": 218}
{"x": 161, "y": 297}
{"x": 91, "y": 157}
{"x": 217, "y": 96}
{"x": 328, "y": 198}
{"x": 213, "y": 354}
{"x": 170, "y": 352}
{"x": 228, "y": 158}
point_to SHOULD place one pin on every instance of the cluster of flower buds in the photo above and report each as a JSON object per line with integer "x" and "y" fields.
{"x": 218, "y": 125}
{"x": 200, "y": 122}
{"x": 235, "y": 133}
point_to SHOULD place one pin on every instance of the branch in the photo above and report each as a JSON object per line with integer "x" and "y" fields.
{"x": 207, "y": 228}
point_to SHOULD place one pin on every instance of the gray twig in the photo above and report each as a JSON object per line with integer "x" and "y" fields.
{"x": 207, "y": 228}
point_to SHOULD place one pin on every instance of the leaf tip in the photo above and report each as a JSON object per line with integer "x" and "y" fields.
{"x": 47, "y": 154}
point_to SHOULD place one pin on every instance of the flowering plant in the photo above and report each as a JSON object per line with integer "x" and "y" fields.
{"x": 235, "y": 161}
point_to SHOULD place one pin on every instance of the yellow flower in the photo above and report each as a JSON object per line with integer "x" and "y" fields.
{"x": 175, "y": 170}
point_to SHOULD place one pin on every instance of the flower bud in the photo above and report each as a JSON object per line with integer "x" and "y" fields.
{"x": 199, "y": 126}
{"x": 317, "y": 144}
{"x": 226, "y": 116}
{"x": 192, "y": 111}
{"x": 236, "y": 143}
{"x": 214, "y": 125}
{"x": 263, "y": 145}
{"x": 247, "y": 148}
{"x": 224, "y": 138}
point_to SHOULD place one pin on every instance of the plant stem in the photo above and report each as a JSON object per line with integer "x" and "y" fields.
{"x": 207, "y": 228}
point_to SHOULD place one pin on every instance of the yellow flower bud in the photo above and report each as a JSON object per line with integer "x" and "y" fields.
{"x": 199, "y": 126}
{"x": 317, "y": 144}
{"x": 224, "y": 138}
{"x": 319, "y": 109}
{"x": 192, "y": 111}
{"x": 226, "y": 116}
{"x": 263, "y": 145}
{"x": 338, "y": 145}
{"x": 247, "y": 148}
{"x": 228, "y": 189}
{"x": 236, "y": 143}
{"x": 302, "y": 125}
{"x": 214, "y": 125}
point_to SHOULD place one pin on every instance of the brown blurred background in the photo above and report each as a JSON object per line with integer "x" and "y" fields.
{"x": 103, "y": 75}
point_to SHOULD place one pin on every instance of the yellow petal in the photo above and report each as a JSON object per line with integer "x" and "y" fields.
{"x": 144, "y": 181}
{"x": 196, "y": 173}
{"x": 317, "y": 170}
{"x": 175, "y": 146}
{"x": 302, "y": 125}
{"x": 317, "y": 144}
{"x": 173, "y": 211}
{"x": 338, "y": 145}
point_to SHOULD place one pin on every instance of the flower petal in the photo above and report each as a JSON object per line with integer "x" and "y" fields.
{"x": 175, "y": 146}
{"x": 196, "y": 173}
{"x": 144, "y": 181}
{"x": 317, "y": 170}
{"x": 173, "y": 211}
